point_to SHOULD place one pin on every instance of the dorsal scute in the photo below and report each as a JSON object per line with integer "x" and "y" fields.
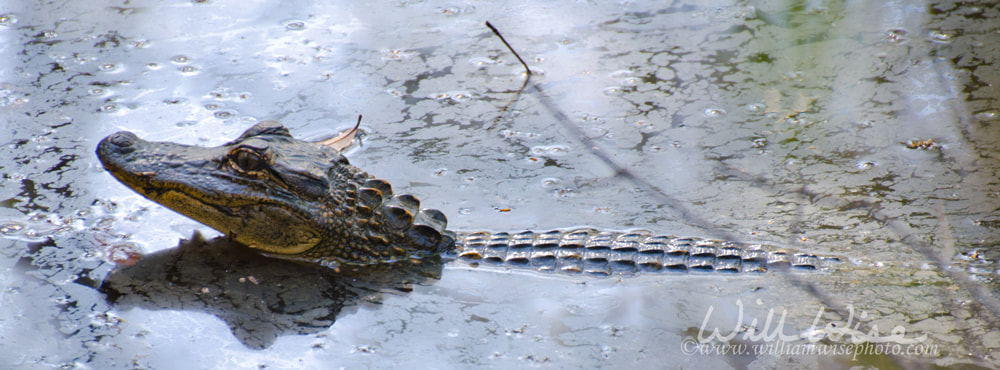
{"x": 428, "y": 230}
{"x": 400, "y": 210}
{"x": 381, "y": 185}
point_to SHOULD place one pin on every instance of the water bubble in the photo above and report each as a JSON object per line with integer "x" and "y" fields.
{"x": 395, "y": 54}
{"x": 715, "y": 112}
{"x": 10, "y": 228}
{"x": 108, "y": 108}
{"x": 612, "y": 91}
{"x": 460, "y": 97}
{"x": 221, "y": 93}
{"x": 864, "y": 165}
{"x": 7, "y": 20}
{"x": 553, "y": 150}
{"x": 464, "y": 211}
{"x": 224, "y": 114}
{"x": 188, "y": 70}
{"x": 756, "y": 108}
{"x": 986, "y": 115}
{"x": 108, "y": 67}
{"x": 180, "y": 59}
{"x": 212, "y": 106}
{"x": 96, "y": 91}
{"x": 939, "y": 37}
{"x": 896, "y": 36}
{"x": 82, "y": 58}
{"x": 140, "y": 44}
{"x": 153, "y": 66}
{"x": 8, "y": 97}
{"x": 481, "y": 62}
{"x": 295, "y": 25}
{"x": 794, "y": 75}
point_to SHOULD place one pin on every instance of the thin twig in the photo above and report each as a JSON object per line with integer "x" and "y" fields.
{"x": 495, "y": 32}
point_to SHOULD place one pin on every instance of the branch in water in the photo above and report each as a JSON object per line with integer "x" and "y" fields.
{"x": 495, "y": 32}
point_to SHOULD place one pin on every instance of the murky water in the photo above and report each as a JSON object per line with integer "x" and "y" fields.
{"x": 866, "y": 131}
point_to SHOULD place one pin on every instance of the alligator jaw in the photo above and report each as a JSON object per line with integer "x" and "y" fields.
{"x": 190, "y": 181}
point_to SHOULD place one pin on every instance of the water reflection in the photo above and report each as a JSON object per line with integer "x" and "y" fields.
{"x": 259, "y": 298}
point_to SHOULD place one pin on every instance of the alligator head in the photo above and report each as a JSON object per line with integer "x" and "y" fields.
{"x": 289, "y": 198}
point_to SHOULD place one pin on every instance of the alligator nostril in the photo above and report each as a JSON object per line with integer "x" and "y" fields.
{"x": 123, "y": 139}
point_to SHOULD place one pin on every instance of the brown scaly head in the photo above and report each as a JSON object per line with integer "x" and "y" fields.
{"x": 289, "y": 198}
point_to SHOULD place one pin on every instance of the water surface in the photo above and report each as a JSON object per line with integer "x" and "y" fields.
{"x": 866, "y": 131}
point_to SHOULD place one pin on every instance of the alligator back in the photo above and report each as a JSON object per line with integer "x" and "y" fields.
{"x": 605, "y": 253}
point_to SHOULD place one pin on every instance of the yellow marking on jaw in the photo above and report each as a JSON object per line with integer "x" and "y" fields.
{"x": 286, "y": 249}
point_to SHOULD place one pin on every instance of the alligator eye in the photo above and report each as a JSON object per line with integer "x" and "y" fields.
{"x": 247, "y": 160}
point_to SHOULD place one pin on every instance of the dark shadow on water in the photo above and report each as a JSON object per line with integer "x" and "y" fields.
{"x": 259, "y": 298}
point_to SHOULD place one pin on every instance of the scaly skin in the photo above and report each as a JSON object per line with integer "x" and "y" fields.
{"x": 300, "y": 200}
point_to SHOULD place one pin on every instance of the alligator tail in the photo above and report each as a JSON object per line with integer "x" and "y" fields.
{"x": 593, "y": 252}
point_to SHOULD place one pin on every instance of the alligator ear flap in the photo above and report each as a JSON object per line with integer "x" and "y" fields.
{"x": 265, "y": 128}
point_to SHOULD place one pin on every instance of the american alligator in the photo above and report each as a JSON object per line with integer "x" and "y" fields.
{"x": 303, "y": 201}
